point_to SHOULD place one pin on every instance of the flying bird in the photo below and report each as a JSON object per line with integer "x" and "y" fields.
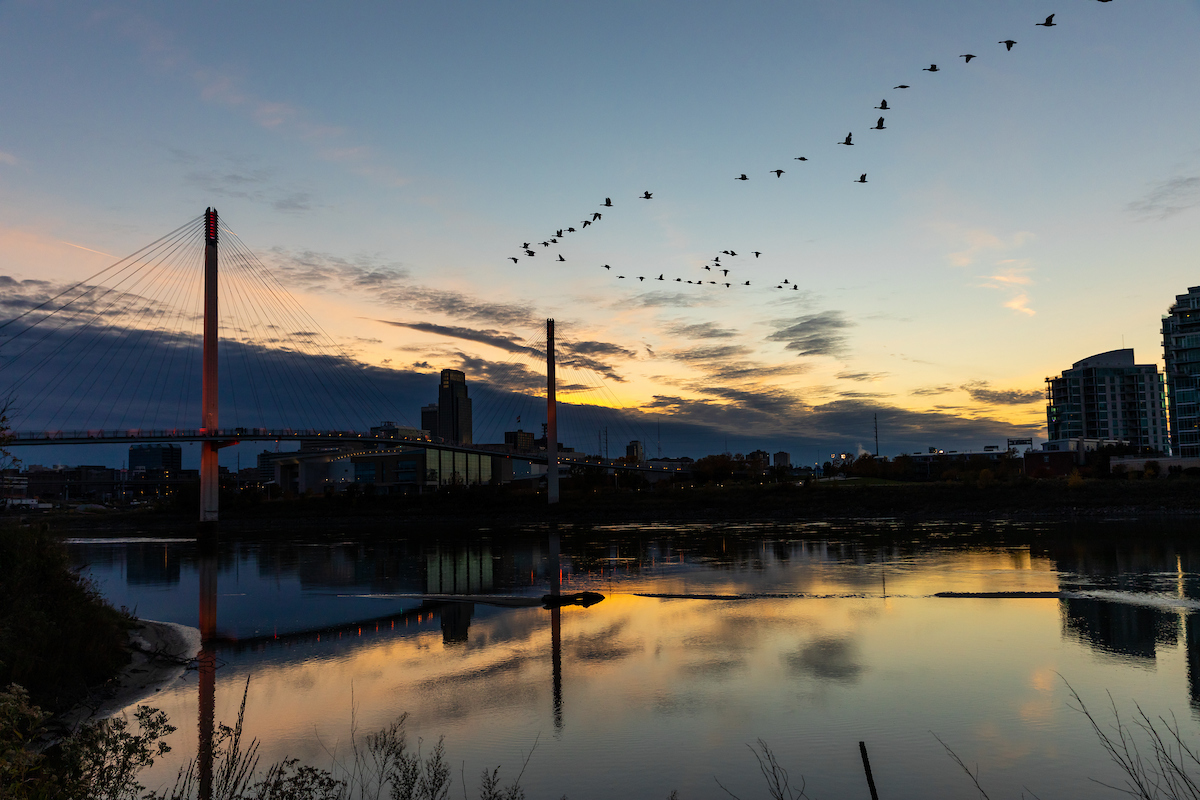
{"x": 545, "y": 244}
{"x": 848, "y": 137}
{"x": 570, "y": 230}
{"x": 757, "y": 254}
{"x": 726, "y": 285}
{"x": 778, "y": 172}
{"x": 1049, "y": 23}
{"x": 968, "y": 57}
{"x": 560, "y": 258}
{"x": 742, "y": 177}
{"x": 659, "y": 278}
{"x": 795, "y": 287}
{"x": 608, "y": 202}
{"x": 785, "y": 281}
{"x": 747, "y": 283}
{"x": 512, "y": 259}
{"x": 586, "y": 222}
{"x": 717, "y": 260}
{"x": 883, "y": 106}
{"x": 732, "y": 253}
{"x": 530, "y": 253}
{"x": 861, "y": 179}
{"x": 525, "y": 246}
{"x": 879, "y": 125}
{"x": 680, "y": 280}
{"x": 647, "y": 196}
{"x": 620, "y": 277}
{"x": 1007, "y": 43}
{"x": 606, "y": 266}
{"x": 800, "y": 158}
{"x": 558, "y": 233}
{"x": 555, "y": 241}
{"x": 595, "y": 216}
{"x": 725, "y": 273}
{"x": 902, "y": 86}
{"x": 707, "y": 267}
{"x": 931, "y": 68}
{"x": 641, "y": 277}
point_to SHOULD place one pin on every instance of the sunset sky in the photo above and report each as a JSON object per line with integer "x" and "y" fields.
{"x": 1021, "y": 212}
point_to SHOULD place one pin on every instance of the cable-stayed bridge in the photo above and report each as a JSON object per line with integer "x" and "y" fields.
{"x": 144, "y": 349}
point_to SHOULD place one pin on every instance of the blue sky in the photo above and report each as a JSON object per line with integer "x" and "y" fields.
{"x": 1022, "y": 211}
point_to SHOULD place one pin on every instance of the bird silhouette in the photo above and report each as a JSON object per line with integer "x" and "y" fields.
{"x": 795, "y": 288}
{"x": 608, "y": 202}
{"x": 747, "y": 283}
{"x": 647, "y": 196}
{"x": 757, "y": 254}
{"x": 713, "y": 283}
{"x": 778, "y": 287}
{"x": 725, "y": 273}
{"x": 726, "y": 285}
{"x": 555, "y": 241}
{"x": 558, "y": 233}
{"x": 778, "y": 172}
{"x": 1007, "y": 43}
{"x": 659, "y": 278}
{"x": 861, "y": 179}
{"x": 570, "y": 230}
{"x": 530, "y": 253}
{"x": 707, "y": 267}
{"x": 800, "y": 158}
{"x": 525, "y": 246}
{"x": 512, "y": 259}
{"x": 606, "y": 266}
{"x": 785, "y": 281}
{"x": 726, "y": 252}
{"x": 689, "y": 283}
{"x": 680, "y": 280}
{"x": 879, "y": 125}
{"x": 849, "y": 136}
{"x": 586, "y": 222}
{"x": 931, "y": 68}
{"x": 619, "y": 277}
{"x": 545, "y": 244}
{"x": 560, "y": 258}
{"x": 641, "y": 277}
{"x": 595, "y": 216}
{"x": 883, "y": 106}
{"x": 1049, "y": 23}
{"x": 717, "y": 260}
{"x": 732, "y": 253}
{"x": 742, "y": 177}
{"x": 902, "y": 86}
{"x": 968, "y": 57}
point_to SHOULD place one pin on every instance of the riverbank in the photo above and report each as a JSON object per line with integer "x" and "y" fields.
{"x": 486, "y": 508}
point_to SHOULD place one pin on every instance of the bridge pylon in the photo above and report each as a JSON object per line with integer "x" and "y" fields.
{"x": 551, "y": 419}
{"x": 210, "y": 480}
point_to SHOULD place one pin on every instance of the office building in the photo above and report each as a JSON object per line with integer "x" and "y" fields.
{"x": 429, "y": 418}
{"x": 1181, "y": 354}
{"x": 783, "y": 459}
{"x": 519, "y": 440}
{"x": 1108, "y": 397}
{"x": 151, "y": 457}
{"x": 454, "y": 408}
{"x": 635, "y": 453}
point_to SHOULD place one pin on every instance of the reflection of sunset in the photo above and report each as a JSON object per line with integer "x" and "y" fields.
{"x": 812, "y": 646}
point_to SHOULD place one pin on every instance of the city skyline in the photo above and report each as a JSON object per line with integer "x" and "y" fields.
{"x": 1023, "y": 211}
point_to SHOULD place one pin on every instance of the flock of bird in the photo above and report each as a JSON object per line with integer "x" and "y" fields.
{"x": 715, "y": 264}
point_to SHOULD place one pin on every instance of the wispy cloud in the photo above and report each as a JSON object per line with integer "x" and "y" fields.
{"x": 1168, "y": 198}
{"x": 700, "y": 330}
{"x": 814, "y": 334}
{"x": 981, "y": 392}
{"x": 1011, "y": 278}
{"x": 861, "y": 376}
{"x": 8, "y": 158}
{"x": 931, "y": 391}
{"x": 979, "y": 242}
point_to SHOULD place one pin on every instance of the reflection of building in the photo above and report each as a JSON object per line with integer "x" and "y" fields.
{"x": 458, "y": 570}
{"x": 454, "y": 408}
{"x": 456, "y": 622}
{"x": 1119, "y": 628}
{"x": 152, "y": 565}
{"x": 1108, "y": 396}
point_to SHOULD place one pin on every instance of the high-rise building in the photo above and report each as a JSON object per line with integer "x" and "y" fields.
{"x": 429, "y": 418}
{"x": 454, "y": 408}
{"x": 155, "y": 457}
{"x": 1108, "y": 396}
{"x": 1181, "y": 354}
{"x": 519, "y": 440}
{"x": 635, "y": 453}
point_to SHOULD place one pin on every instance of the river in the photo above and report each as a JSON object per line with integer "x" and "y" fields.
{"x": 810, "y": 637}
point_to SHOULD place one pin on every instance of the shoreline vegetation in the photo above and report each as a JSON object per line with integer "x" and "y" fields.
{"x": 1024, "y": 500}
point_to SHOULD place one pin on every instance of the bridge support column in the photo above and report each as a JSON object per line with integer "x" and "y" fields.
{"x": 551, "y": 419}
{"x": 209, "y": 474}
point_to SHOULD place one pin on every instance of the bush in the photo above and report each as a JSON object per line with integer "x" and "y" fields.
{"x": 57, "y": 635}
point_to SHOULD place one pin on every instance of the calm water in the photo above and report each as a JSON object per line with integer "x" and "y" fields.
{"x": 796, "y": 635}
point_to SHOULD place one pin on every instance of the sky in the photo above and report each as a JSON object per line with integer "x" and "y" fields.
{"x": 1022, "y": 211}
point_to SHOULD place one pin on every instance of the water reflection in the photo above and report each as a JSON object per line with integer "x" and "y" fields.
{"x": 831, "y": 640}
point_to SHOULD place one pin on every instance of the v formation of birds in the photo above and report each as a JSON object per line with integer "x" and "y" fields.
{"x": 715, "y": 264}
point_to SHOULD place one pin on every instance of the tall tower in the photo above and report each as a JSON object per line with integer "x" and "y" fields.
{"x": 209, "y": 475}
{"x": 454, "y": 408}
{"x": 1181, "y": 352}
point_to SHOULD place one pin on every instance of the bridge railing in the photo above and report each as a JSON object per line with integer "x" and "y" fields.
{"x": 199, "y": 433}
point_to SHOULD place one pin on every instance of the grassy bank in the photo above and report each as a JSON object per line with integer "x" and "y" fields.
{"x": 57, "y": 635}
{"x": 1023, "y": 499}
